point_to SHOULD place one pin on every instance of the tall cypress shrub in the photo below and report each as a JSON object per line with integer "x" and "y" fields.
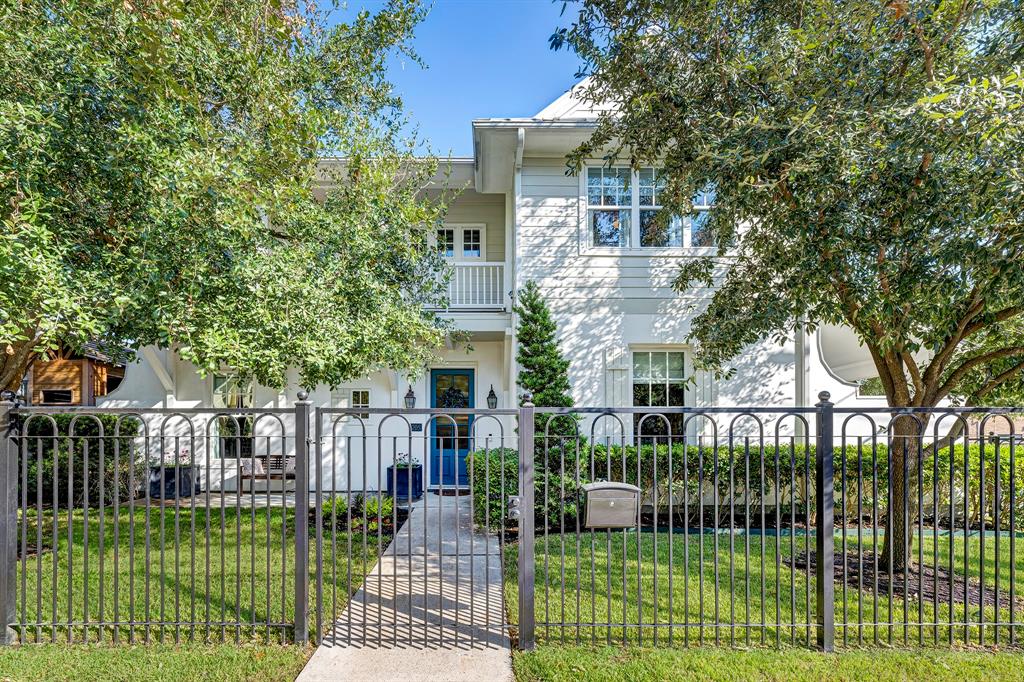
{"x": 543, "y": 371}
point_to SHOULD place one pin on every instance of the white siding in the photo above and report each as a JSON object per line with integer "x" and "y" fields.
{"x": 607, "y": 304}
{"x": 489, "y": 209}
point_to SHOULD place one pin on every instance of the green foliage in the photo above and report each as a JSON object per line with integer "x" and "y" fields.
{"x": 494, "y": 475}
{"x": 542, "y": 369}
{"x": 158, "y": 162}
{"x": 374, "y": 506}
{"x": 872, "y": 387}
{"x": 872, "y": 155}
{"x": 859, "y": 472}
{"x": 93, "y": 462}
{"x": 363, "y": 515}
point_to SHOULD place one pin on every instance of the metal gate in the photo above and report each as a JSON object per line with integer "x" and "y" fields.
{"x": 398, "y": 560}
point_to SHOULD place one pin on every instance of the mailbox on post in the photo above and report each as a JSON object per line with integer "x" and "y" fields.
{"x": 610, "y": 504}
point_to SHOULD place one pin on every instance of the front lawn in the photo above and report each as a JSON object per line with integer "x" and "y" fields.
{"x": 553, "y": 663}
{"x": 220, "y": 662}
{"x": 207, "y": 572}
{"x": 614, "y": 578}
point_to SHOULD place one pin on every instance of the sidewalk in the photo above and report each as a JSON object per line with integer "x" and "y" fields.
{"x": 424, "y": 615}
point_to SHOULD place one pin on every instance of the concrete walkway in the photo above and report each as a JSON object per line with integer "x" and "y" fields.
{"x": 431, "y": 609}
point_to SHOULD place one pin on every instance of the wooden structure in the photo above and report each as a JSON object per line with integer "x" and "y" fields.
{"x": 73, "y": 378}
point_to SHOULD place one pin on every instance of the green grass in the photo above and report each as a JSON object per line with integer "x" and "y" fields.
{"x": 577, "y": 592}
{"x": 554, "y": 663}
{"x": 223, "y": 662}
{"x": 244, "y": 573}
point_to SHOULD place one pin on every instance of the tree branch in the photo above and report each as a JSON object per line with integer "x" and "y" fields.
{"x": 999, "y": 316}
{"x": 972, "y": 362}
{"x": 958, "y": 425}
{"x": 915, "y": 373}
{"x": 998, "y": 381}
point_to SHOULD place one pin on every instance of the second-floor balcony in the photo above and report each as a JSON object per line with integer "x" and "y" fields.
{"x": 476, "y": 286}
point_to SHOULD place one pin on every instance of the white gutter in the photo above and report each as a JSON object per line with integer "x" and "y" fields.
{"x": 533, "y": 123}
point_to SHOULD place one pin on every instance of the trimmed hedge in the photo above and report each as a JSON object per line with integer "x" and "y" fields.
{"x": 116, "y": 469}
{"x": 560, "y": 473}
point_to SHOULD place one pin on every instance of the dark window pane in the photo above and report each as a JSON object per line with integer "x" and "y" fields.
{"x": 676, "y": 394}
{"x": 699, "y": 234}
{"x": 641, "y": 395}
{"x": 471, "y": 247}
{"x": 609, "y": 228}
{"x": 654, "y": 232}
{"x": 659, "y": 395}
{"x": 57, "y": 396}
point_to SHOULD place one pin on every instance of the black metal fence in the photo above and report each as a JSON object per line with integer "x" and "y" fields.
{"x": 806, "y": 526}
{"x": 815, "y": 526}
{"x": 122, "y": 526}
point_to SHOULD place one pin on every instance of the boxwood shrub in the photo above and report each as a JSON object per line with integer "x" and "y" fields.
{"x": 860, "y": 473}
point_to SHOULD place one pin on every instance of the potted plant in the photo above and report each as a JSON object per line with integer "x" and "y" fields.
{"x": 405, "y": 478}
{"x": 176, "y": 475}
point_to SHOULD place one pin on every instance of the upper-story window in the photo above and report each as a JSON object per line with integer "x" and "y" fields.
{"x": 623, "y": 206}
{"x": 461, "y": 242}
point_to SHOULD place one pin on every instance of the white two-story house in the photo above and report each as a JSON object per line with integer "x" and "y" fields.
{"x": 607, "y": 279}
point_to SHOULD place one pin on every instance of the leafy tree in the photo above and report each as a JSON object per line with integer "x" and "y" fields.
{"x": 867, "y": 164}
{"x": 542, "y": 369}
{"x": 161, "y": 183}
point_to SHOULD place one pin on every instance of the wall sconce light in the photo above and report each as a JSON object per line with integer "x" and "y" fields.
{"x": 410, "y": 399}
{"x": 492, "y": 398}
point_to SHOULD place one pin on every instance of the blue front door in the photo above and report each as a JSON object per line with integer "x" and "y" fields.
{"x": 449, "y": 443}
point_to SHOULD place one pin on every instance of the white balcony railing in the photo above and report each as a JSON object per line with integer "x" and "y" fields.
{"x": 477, "y": 286}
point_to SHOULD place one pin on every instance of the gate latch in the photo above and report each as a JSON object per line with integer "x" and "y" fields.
{"x": 513, "y": 507}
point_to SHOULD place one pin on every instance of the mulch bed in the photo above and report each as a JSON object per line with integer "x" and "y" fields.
{"x": 920, "y": 581}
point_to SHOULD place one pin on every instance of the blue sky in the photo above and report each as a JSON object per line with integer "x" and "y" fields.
{"x": 483, "y": 58}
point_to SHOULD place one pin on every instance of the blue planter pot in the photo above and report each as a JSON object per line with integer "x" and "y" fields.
{"x": 405, "y": 483}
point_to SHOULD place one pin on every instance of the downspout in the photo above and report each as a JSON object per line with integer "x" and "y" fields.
{"x": 801, "y": 368}
{"x": 517, "y": 187}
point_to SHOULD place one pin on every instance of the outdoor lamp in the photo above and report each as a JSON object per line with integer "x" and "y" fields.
{"x": 492, "y": 398}
{"x": 410, "y": 399}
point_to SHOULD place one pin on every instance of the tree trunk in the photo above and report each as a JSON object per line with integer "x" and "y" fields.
{"x": 905, "y": 450}
{"x": 15, "y": 359}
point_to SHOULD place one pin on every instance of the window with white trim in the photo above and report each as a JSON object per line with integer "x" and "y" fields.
{"x": 462, "y": 242}
{"x": 235, "y": 436}
{"x": 354, "y": 398}
{"x": 624, "y": 207}
{"x": 659, "y": 380}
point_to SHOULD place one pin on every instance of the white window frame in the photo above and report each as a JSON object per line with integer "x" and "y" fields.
{"x": 460, "y": 231}
{"x": 633, "y": 249}
{"x": 345, "y": 398}
{"x": 689, "y": 394}
{"x": 226, "y": 375}
{"x": 687, "y": 370}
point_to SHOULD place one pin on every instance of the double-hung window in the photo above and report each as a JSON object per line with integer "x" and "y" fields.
{"x": 624, "y": 210}
{"x": 659, "y": 380}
